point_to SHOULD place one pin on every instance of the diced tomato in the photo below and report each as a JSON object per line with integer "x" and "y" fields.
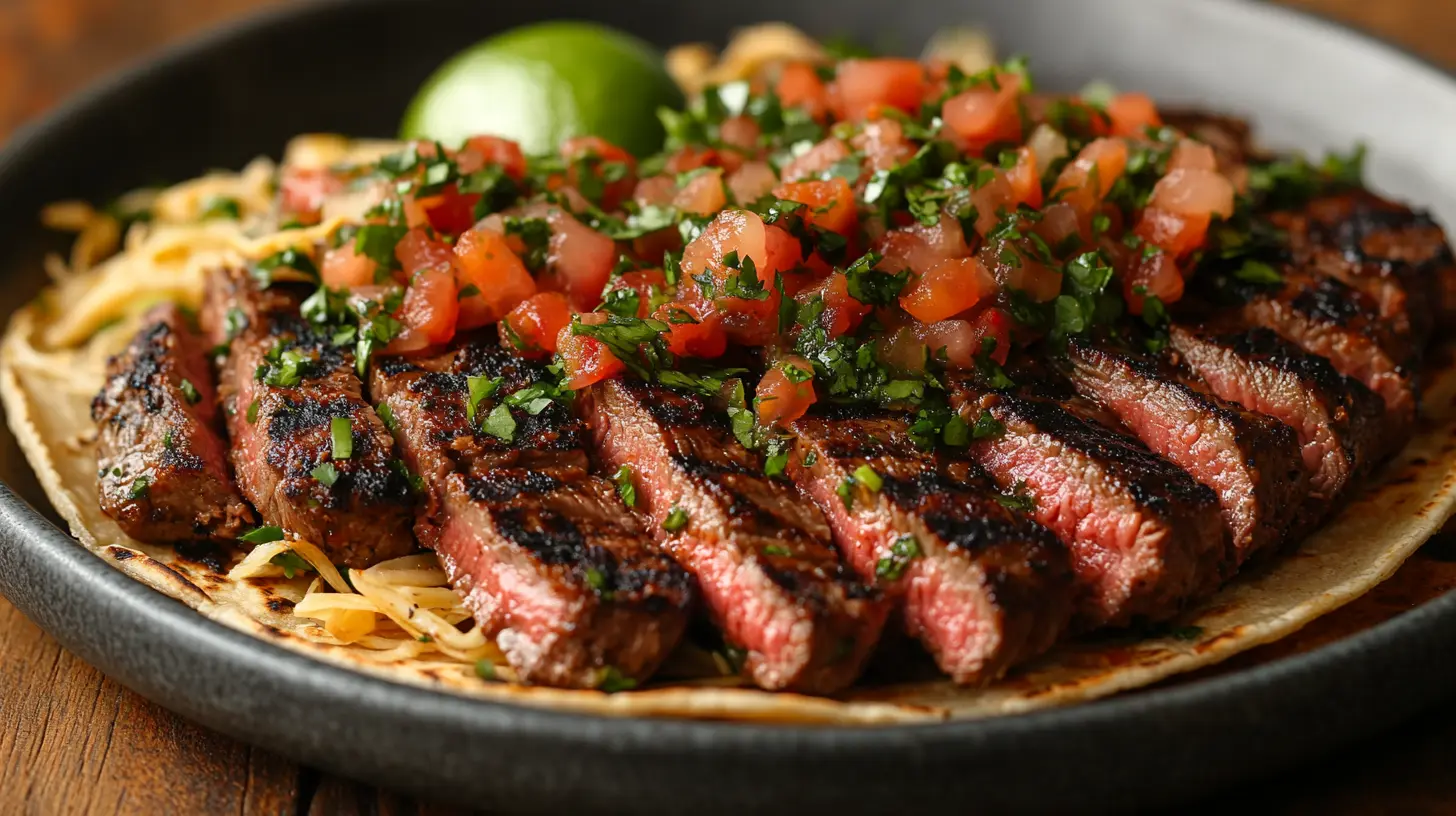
{"x": 1059, "y": 222}
{"x": 782, "y": 252}
{"x": 919, "y": 247}
{"x": 863, "y": 87}
{"x": 741, "y": 132}
{"x": 586, "y": 359}
{"x": 694, "y": 329}
{"x": 994, "y": 325}
{"x": 579, "y": 260}
{"x": 799, "y": 86}
{"x": 1194, "y": 192}
{"x": 342, "y": 267}
{"x": 655, "y": 190}
{"x": 1192, "y": 155}
{"x": 691, "y": 157}
{"x": 983, "y": 115}
{"x": 429, "y": 311}
{"x": 302, "y": 192}
{"x": 480, "y": 151}
{"x": 752, "y": 181}
{"x": 733, "y": 232}
{"x": 883, "y": 143}
{"x": 536, "y": 323}
{"x": 1024, "y": 179}
{"x": 647, "y": 283}
{"x": 830, "y": 203}
{"x": 992, "y": 201}
{"x": 1132, "y": 113}
{"x": 491, "y": 277}
{"x": 903, "y": 349}
{"x": 953, "y": 341}
{"x": 703, "y": 195}
{"x": 947, "y": 289}
{"x": 615, "y": 192}
{"x": 1174, "y": 233}
{"x": 1154, "y": 274}
{"x": 449, "y": 212}
{"x": 1102, "y": 161}
{"x": 417, "y": 250}
{"x": 785, "y": 392}
{"x": 842, "y": 313}
{"x": 1017, "y": 270}
{"x": 819, "y": 158}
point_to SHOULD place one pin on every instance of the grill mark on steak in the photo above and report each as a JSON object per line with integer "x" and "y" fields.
{"x": 162, "y": 474}
{"x": 1333, "y": 320}
{"x": 549, "y": 561}
{"x": 989, "y": 588}
{"x": 1396, "y": 255}
{"x": 364, "y": 516}
{"x": 1251, "y": 461}
{"x": 770, "y": 576}
{"x": 1336, "y": 418}
{"x": 1144, "y": 536}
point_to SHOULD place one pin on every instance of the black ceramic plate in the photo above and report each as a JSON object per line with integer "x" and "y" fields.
{"x": 350, "y": 67}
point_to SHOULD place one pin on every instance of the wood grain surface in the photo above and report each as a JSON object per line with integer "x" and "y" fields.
{"x": 73, "y": 741}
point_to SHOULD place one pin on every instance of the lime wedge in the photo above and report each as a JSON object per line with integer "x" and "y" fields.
{"x": 544, "y": 83}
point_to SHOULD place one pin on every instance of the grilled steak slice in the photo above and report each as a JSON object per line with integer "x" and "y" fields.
{"x": 1144, "y": 536}
{"x": 983, "y": 587}
{"x": 1397, "y": 256}
{"x": 308, "y": 450}
{"x": 1330, "y": 319}
{"x": 162, "y": 474}
{"x": 1336, "y": 418}
{"x": 770, "y": 576}
{"x": 1251, "y": 461}
{"x": 545, "y": 554}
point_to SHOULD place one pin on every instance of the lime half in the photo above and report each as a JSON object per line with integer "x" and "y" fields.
{"x": 544, "y": 83}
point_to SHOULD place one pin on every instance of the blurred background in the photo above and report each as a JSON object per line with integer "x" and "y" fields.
{"x": 50, "y": 48}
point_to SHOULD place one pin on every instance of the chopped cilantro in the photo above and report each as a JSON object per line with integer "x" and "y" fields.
{"x": 262, "y": 535}
{"x": 341, "y": 433}
{"x": 500, "y": 424}
{"x": 325, "y": 474}
{"x": 626, "y": 490}
{"x": 480, "y": 388}
{"x": 265, "y": 270}
{"x": 221, "y": 207}
{"x": 777, "y": 550}
{"x": 612, "y": 680}
{"x": 291, "y": 562}
{"x": 189, "y": 392}
{"x": 892, "y": 567}
{"x": 140, "y": 487}
{"x": 677, "y": 518}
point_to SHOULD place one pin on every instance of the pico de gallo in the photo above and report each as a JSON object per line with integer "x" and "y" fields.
{"x": 841, "y": 232}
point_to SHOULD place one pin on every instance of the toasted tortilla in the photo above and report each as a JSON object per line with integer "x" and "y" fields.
{"x": 52, "y": 362}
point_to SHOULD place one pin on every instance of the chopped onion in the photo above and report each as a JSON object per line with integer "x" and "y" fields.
{"x": 1047, "y": 145}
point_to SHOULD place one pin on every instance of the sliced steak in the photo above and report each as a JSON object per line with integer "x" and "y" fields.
{"x": 983, "y": 587}
{"x": 1144, "y": 536}
{"x": 162, "y": 472}
{"x": 1331, "y": 319}
{"x": 547, "y": 557}
{"x": 283, "y": 386}
{"x": 1250, "y": 460}
{"x": 1336, "y": 418}
{"x": 762, "y": 554}
{"x": 1397, "y": 256}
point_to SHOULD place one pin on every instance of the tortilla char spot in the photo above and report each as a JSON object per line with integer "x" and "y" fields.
{"x": 207, "y": 554}
{"x": 280, "y": 605}
{"x": 121, "y": 553}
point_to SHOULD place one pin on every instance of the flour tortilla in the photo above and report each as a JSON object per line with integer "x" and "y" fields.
{"x": 46, "y": 392}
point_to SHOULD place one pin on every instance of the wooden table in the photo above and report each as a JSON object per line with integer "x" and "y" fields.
{"x": 72, "y": 740}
